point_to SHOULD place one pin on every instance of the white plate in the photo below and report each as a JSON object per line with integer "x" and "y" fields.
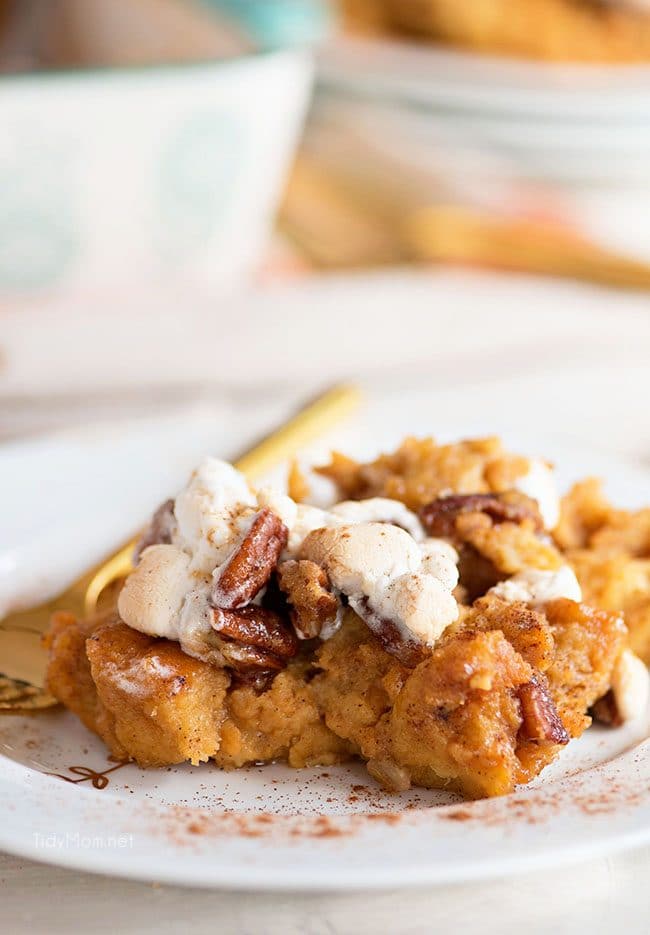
{"x": 324, "y": 828}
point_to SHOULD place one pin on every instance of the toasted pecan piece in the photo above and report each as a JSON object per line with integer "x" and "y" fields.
{"x": 254, "y": 638}
{"x": 251, "y": 566}
{"x": 541, "y": 722}
{"x": 439, "y": 517}
{"x": 605, "y": 710}
{"x": 307, "y": 589}
{"x": 159, "y": 530}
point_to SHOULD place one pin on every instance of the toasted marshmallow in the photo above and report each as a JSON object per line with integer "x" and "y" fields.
{"x": 440, "y": 559}
{"x": 195, "y": 632}
{"x": 282, "y": 505}
{"x": 534, "y": 586}
{"x": 630, "y": 685}
{"x": 162, "y": 598}
{"x": 409, "y": 581}
{"x": 380, "y": 565}
{"x": 379, "y": 510}
{"x": 153, "y": 594}
{"x": 358, "y": 558}
{"x": 213, "y": 513}
{"x": 539, "y": 484}
{"x": 419, "y": 604}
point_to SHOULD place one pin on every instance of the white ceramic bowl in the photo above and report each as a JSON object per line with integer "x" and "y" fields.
{"x": 151, "y": 174}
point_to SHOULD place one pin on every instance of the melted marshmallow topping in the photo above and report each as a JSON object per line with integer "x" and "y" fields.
{"x": 386, "y": 559}
{"x": 538, "y": 483}
{"x": 534, "y": 586}
{"x": 630, "y": 685}
{"x": 381, "y": 566}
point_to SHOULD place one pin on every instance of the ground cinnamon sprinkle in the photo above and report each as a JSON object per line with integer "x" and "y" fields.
{"x": 181, "y": 825}
{"x": 391, "y": 818}
{"x": 542, "y": 805}
{"x": 460, "y": 814}
{"x": 322, "y": 828}
{"x": 535, "y": 806}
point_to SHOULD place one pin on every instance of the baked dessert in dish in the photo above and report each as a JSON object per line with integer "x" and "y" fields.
{"x": 431, "y": 622}
{"x": 556, "y": 30}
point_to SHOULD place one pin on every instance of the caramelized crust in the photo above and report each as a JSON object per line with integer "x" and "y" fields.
{"x": 421, "y": 470}
{"x": 585, "y": 509}
{"x": 453, "y": 720}
{"x": 456, "y": 722}
{"x": 146, "y": 699}
{"x": 458, "y": 718}
{"x": 152, "y": 703}
{"x": 462, "y": 492}
{"x": 69, "y": 677}
{"x": 609, "y": 551}
{"x": 510, "y": 547}
{"x": 587, "y": 644}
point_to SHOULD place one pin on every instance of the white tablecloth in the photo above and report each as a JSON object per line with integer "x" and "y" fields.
{"x": 600, "y": 897}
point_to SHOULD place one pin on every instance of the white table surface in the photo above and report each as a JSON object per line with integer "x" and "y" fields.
{"x": 602, "y": 896}
{"x": 591, "y": 385}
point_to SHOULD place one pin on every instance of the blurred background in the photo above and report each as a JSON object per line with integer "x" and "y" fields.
{"x": 240, "y": 201}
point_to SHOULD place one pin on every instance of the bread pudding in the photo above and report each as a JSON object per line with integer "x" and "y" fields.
{"x": 560, "y": 30}
{"x": 450, "y": 622}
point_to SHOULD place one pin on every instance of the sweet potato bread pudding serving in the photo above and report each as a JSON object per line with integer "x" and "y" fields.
{"x": 449, "y": 621}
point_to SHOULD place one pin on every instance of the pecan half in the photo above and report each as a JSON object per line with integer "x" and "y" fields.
{"x": 313, "y": 607}
{"x": 605, "y": 710}
{"x": 439, "y": 516}
{"x": 258, "y": 680}
{"x": 540, "y": 720}
{"x": 254, "y": 638}
{"x": 409, "y": 651}
{"x": 252, "y": 564}
{"x": 159, "y": 531}
{"x": 476, "y": 573}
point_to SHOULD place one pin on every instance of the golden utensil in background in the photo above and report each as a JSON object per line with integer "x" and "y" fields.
{"x": 350, "y": 217}
{"x": 22, "y": 659}
{"x": 463, "y": 235}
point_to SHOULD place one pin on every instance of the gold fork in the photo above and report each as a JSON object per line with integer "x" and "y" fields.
{"x": 22, "y": 658}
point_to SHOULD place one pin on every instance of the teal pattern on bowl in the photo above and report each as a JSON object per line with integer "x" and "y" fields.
{"x": 198, "y": 177}
{"x": 39, "y": 230}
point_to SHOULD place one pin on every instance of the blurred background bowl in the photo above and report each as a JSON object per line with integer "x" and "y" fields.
{"x": 151, "y": 174}
{"x": 563, "y": 146}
